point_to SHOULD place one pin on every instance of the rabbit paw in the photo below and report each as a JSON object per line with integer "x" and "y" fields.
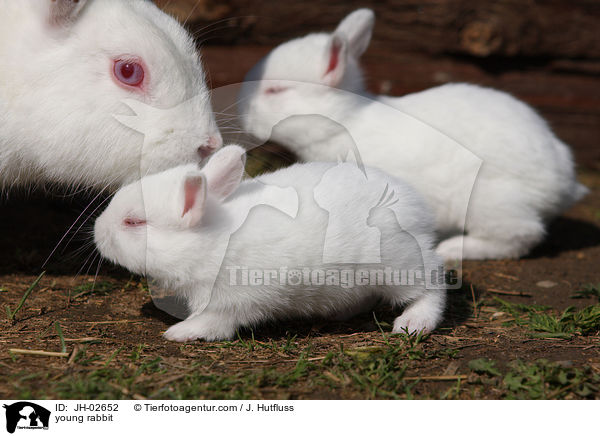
{"x": 422, "y": 315}
{"x": 202, "y": 326}
{"x": 469, "y": 247}
{"x": 451, "y": 248}
{"x": 415, "y": 322}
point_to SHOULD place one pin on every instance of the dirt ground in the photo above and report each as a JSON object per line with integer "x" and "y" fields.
{"x": 113, "y": 346}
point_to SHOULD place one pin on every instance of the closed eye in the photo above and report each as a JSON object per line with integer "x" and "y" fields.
{"x": 276, "y": 89}
{"x": 133, "y": 222}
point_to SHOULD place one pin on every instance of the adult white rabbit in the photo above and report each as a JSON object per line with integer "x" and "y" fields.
{"x": 488, "y": 164}
{"x": 67, "y": 67}
{"x": 176, "y": 226}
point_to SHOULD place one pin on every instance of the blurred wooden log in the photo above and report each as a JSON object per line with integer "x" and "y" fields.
{"x": 550, "y": 28}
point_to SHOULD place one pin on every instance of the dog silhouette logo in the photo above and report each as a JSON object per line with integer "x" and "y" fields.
{"x": 26, "y": 415}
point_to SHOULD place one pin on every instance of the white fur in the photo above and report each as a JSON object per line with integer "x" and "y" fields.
{"x": 488, "y": 164}
{"x": 186, "y": 258}
{"x": 58, "y": 96}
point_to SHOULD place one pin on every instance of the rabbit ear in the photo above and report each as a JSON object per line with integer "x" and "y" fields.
{"x": 193, "y": 198}
{"x": 224, "y": 170}
{"x": 64, "y": 12}
{"x": 335, "y": 61}
{"x": 357, "y": 29}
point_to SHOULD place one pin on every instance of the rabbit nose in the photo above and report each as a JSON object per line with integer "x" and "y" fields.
{"x": 213, "y": 143}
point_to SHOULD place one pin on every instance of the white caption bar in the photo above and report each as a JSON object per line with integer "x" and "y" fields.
{"x": 90, "y": 418}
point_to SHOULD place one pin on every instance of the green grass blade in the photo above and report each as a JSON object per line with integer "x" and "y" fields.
{"x": 63, "y": 346}
{"x": 25, "y": 295}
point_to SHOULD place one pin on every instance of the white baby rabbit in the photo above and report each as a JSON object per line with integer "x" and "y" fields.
{"x": 488, "y": 164}
{"x": 175, "y": 226}
{"x": 68, "y": 66}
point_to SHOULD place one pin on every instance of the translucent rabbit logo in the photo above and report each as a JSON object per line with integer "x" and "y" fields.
{"x": 292, "y": 116}
{"x": 372, "y": 231}
{"x": 340, "y": 226}
{"x": 289, "y": 202}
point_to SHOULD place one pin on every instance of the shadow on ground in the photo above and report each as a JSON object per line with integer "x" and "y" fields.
{"x": 566, "y": 234}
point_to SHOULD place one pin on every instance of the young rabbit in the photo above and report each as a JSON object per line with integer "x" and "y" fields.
{"x": 488, "y": 164}
{"x": 69, "y": 66}
{"x": 175, "y": 227}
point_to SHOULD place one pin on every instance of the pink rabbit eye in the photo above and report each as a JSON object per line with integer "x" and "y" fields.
{"x": 275, "y": 90}
{"x": 129, "y": 73}
{"x": 134, "y": 222}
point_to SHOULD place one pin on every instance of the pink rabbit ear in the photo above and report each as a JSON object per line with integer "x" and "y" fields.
{"x": 335, "y": 61}
{"x": 356, "y": 29}
{"x": 64, "y": 12}
{"x": 224, "y": 171}
{"x": 193, "y": 198}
